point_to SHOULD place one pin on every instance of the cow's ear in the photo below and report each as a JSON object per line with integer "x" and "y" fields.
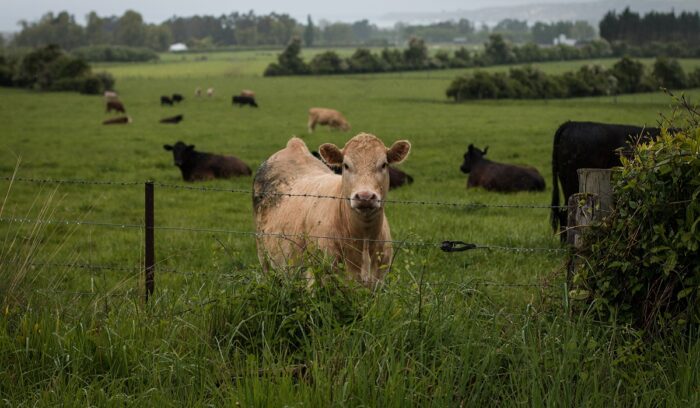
{"x": 331, "y": 154}
{"x": 398, "y": 151}
{"x": 486, "y": 149}
{"x": 167, "y": 147}
{"x": 190, "y": 147}
{"x": 471, "y": 147}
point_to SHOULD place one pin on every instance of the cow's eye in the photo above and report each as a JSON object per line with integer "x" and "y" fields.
{"x": 345, "y": 166}
{"x": 384, "y": 165}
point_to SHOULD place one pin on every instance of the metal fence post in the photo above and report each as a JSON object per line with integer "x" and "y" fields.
{"x": 150, "y": 241}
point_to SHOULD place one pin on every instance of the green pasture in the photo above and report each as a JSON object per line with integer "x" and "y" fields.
{"x": 432, "y": 336}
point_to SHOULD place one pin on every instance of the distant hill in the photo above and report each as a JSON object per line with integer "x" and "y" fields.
{"x": 591, "y": 11}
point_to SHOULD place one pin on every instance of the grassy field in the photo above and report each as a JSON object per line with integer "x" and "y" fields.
{"x": 219, "y": 332}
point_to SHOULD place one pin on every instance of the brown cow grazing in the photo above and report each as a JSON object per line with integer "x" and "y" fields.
{"x": 397, "y": 178}
{"x": 119, "y": 120}
{"x": 499, "y": 176}
{"x": 198, "y": 91}
{"x": 357, "y": 221}
{"x": 248, "y": 93}
{"x": 197, "y": 166}
{"x": 115, "y": 106}
{"x": 330, "y": 117}
{"x": 172, "y": 119}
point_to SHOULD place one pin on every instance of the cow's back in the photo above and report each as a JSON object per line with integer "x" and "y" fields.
{"x": 591, "y": 145}
{"x": 504, "y": 177}
{"x": 288, "y": 200}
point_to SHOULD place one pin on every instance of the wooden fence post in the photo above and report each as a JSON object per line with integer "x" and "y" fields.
{"x": 590, "y": 205}
{"x": 150, "y": 241}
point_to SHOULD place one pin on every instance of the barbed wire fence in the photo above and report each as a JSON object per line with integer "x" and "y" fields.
{"x": 148, "y": 227}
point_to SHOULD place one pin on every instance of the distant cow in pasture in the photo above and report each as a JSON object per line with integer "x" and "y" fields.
{"x": 172, "y": 119}
{"x": 330, "y": 117}
{"x": 244, "y": 100}
{"x": 177, "y": 98}
{"x": 284, "y": 202}
{"x": 111, "y": 96}
{"x": 397, "y": 178}
{"x": 247, "y": 92}
{"x": 165, "y": 100}
{"x": 579, "y": 145}
{"x": 499, "y": 177}
{"x": 210, "y": 92}
{"x": 119, "y": 120}
{"x": 115, "y": 106}
{"x": 198, "y": 91}
{"x": 199, "y": 166}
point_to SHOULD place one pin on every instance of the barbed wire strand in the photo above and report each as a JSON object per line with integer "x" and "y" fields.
{"x": 271, "y": 234}
{"x": 279, "y": 194}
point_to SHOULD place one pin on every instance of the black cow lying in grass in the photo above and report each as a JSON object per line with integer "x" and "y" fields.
{"x": 244, "y": 100}
{"x": 499, "y": 176}
{"x": 197, "y": 166}
{"x": 579, "y": 145}
{"x": 172, "y": 119}
{"x": 397, "y": 178}
{"x": 165, "y": 100}
{"x": 177, "y": 98}
{"x": 119, "y": 120}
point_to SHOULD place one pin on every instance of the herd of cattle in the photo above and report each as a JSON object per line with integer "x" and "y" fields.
{"x": 112, "y": 103}
{"x": 296, "y": 181}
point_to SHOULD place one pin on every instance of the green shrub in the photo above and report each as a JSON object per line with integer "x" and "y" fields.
{"x": 644, "y": 264}
{"x": 327, "y": 62}
{"x": 629, "y": 74}
{"x": 289, "y": 62}
{"x": 106, "y": 79}
{"x": 669, "y": 73}
{"x": 115, "y": 53}
{"x": 362, "y": 60}
{"x": 694, "y": 79}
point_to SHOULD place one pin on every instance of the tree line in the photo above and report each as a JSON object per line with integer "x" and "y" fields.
{"x": 274, "y": 29}
{"x": 634, "y": 29}
{"x": 626, "y": 76}
{"x": 50, "y": 68}
{"x": 415, "y": 56}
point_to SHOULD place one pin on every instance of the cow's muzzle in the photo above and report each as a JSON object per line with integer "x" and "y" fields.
{"x": 365, "y": 201}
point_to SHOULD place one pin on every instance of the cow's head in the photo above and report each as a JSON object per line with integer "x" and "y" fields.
{"x": 472, "y": 156}
{"x": 344, "y": 125}
{"x": 365, "y": 163}
{"x": 181, "y": 152}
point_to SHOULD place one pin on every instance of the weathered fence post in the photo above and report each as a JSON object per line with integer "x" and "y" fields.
{"x": 150, "y": 241}
{"x": 590, "y": 205}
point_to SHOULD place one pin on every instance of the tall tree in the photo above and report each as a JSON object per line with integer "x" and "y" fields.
{"x": 131, "y": 30}
{"x": 309, "y": 32}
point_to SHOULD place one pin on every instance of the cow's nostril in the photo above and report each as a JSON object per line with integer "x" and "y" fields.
{"x": 365, "y": 196}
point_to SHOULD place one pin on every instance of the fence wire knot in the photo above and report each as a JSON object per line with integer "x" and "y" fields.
{"x": 456, "y": 246}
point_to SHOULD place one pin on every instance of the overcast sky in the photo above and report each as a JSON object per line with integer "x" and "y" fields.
{"x": 12, "y": 11}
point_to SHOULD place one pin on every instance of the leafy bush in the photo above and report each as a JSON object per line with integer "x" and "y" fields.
{"x": 115, "y": 53}
{"x": 694, "y": 79}
{"x": 590, "y": 80}
{"x": 645, "y": 257}
{"x": 50, "y": 69}
{"x": 629, "y": 74}
{"x": 289, "y": 62}
{"x": 669, "y": 73}
{"x": 327, "y": 62}
{"x": 362, "y": 60}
